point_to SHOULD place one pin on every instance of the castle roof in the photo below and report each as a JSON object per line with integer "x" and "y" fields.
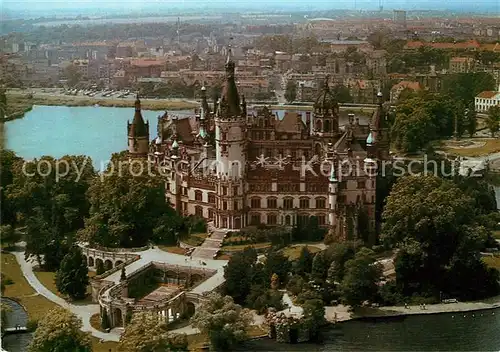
{"x": 138, "y": 128}
{"x": 230, "y": 99}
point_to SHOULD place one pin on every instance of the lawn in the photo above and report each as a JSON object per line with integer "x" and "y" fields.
{"x": 496, "y": 234}
{"x": 239, "y": 247}
{"x": 173, "y": 249}
{"x": 47, "y": 278}
{"x": 36, "y": 305}
{"x": 195, "y": 239}
{"x": 106, "y": 346}
{"x": 294, "y": 252}
{"x": 492, "y": 262}
{"x": 491, "y": 146}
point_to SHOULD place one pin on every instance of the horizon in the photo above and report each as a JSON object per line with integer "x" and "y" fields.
{"x": 94, "y": 7}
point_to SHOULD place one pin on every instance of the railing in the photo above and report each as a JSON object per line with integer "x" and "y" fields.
{"x": 158, "y": 304}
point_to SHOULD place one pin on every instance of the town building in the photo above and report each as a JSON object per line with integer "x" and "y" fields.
{"x": 462, "y": 64}
{"x": 485, "y": 100}
{"x": 398, "y": 88}
{"x": 238, "y": 168}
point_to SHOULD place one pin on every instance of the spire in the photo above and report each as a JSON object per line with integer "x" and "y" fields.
{"x": 326, "y": 87}
{"x": 370, "y": 140}
{"x": 333, "y": 178}
{"x": 138, "y": 128}
{"x": 204, "y": 103}
{"x": 230, "y": 99}
{"x": 380, "y": 97}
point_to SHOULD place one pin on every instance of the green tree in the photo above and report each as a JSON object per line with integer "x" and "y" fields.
{"x": 239, "y": 274}
{"x": 276, "y": 263}
{"x": 314, "y": 316}
{"x": 72, "y": 277}
{"x": 493, "y": 120}
{"x": 466, "y": 86}
{"x": 361, "y": 278}
{"x": 8, "y": 235}
{"x": 147, "y": 332}
{"x": 223, "y": 321}
{"x": 291, "y": 91}
{"x": 320, "y": 266}
{"x": 60, "y": 331}
{"x": 3, "y": 104}
{"x": 303, "y": 264}
{"x": 436, "y": 226}
{"x": 261, "y": 298}
{"x": 470, "y": 120}
{"x": 340, "y": 253}
{"x": 73, "y": 75}
{"x": 49, "y": 196}
{"x": 128, "y": 208}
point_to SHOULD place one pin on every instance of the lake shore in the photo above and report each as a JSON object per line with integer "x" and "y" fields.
{"x": 341, "y": 313}
{"x": 68, "y": 100}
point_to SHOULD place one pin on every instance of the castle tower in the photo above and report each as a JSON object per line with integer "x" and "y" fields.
{"x": 230, "y": 149}
{"x": 230, "y": 129}
{"x": 333, "y": 189}
{"x": 138, "y": 134}
{"x": 326, "y": 113}
{"x": 380, "y": 130}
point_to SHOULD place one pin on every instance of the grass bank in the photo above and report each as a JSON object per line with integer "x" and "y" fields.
{"x": 490, "y": 146}
{"x": 63, "y": 100}
{"x": 48, "y": 279}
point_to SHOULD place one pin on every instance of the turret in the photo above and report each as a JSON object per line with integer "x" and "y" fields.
{"x": 138, "y": 133}
{"x": 333, "y": 189}
{"x": 380, "y": 130}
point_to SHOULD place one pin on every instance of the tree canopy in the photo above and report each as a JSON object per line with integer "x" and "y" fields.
{"x": 147, "y": 332}
{"x": 128, "y": 208}
{"x": 72, "y": 276}
{"x": 223, "y": 321}
{"x": 60, "y": 331}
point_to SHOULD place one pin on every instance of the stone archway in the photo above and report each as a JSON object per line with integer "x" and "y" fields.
{"x": 189, "y": 310}
{"x": 118, "y": 262}
{"x": 91, "y": 261}
{"x": 237, "y": 223}
{"x": 117, "y": 317}
{"x": 99, "y": 263}
{"x": 108, "y": 265}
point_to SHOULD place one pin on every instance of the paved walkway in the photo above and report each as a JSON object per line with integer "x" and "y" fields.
{"x": 211, "y": 245}
{"x": 84, "y": 312}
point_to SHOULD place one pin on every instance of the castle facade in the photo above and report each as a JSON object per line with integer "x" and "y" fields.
{"x": 238, "y": 168}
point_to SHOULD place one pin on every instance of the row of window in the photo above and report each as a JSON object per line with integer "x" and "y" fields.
{"x": 272, "y": 203}
{"x": 272, "y": 219}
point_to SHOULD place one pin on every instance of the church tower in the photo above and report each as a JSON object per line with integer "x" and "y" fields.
{"x": 230, "y": 149}
{"x": 138, "y": 134}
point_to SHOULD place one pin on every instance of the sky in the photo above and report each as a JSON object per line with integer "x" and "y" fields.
{"x": 492, "y": 6}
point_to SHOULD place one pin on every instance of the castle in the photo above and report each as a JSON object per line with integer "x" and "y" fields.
{"x": 238, "y": 168}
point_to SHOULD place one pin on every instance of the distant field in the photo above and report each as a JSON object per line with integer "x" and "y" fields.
{"x": 491, "y": 146}
{"x": 67, "y": 100}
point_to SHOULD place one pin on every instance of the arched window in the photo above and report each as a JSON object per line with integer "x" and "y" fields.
{"x": 304, "y": 203}
{"x": 255, "y": 203}
{"x": 198, "y": 196}
{"x": 288, "y": 203}
{"x": 272, "y": 203}
{"x": 198, "y": 211}
{"x": 211, "y": 198}
{"x": 261, "y": 123}
{"x": 319, "y": 125}
{"x": 272, "y": 219}
{"x": 327, "y": 126}
{"x": 320, "y": 203}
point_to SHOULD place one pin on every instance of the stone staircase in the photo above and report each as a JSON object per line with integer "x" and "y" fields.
{"x": 212, "y": 244}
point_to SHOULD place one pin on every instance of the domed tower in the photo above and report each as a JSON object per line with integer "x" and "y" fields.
{"x": 326, "y": 113}
{"x": 230, "y": 149}
{"x": 138, "y": 134}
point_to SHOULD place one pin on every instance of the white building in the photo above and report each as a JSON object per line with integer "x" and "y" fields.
{"x": 485, "y": 100}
